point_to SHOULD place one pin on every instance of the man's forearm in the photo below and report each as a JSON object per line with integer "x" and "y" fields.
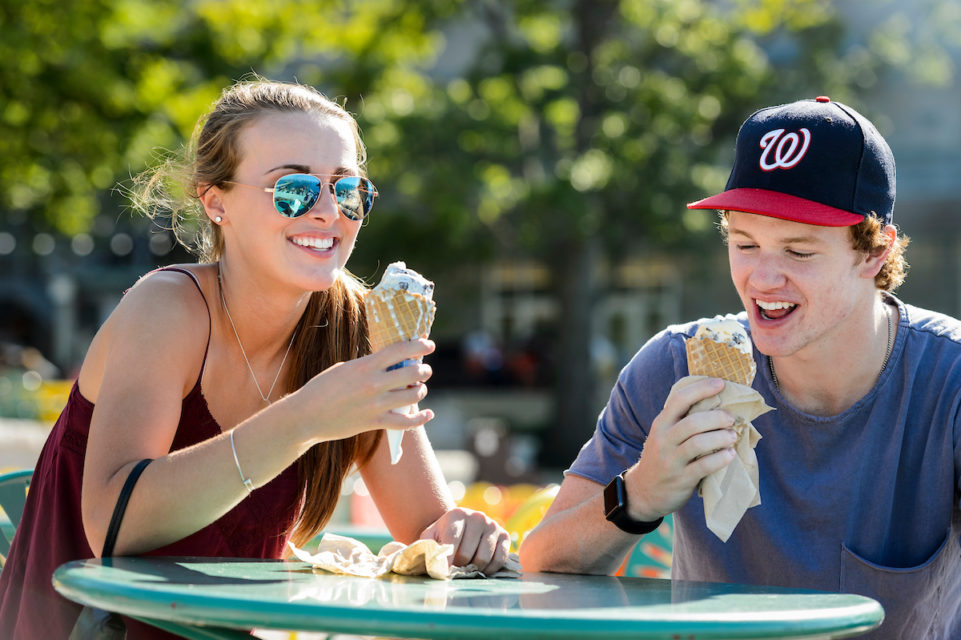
{"x": 576, "y": 539}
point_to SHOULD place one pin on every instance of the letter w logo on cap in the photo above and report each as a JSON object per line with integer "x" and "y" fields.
{"x": 786, "y": 149}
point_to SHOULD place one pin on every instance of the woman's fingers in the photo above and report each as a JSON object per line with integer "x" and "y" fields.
{"x": 391, "y": 420}
{"x": 400, "y": 351}
{"x": 491, "y": 552}
{"x": 361, "y": 394}
{"x": 477, "y": 539}
{"x": 501, "y": 551}
{"x": 468, "y": 546}
{"x": 405, "y": 376}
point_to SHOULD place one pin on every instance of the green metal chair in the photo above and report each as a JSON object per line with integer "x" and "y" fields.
{"x": 13, "y": 495}
{"x": 652, "y": 556}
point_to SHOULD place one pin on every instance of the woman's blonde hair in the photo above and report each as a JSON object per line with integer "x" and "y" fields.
{"x": 867, "y": 238}
{"x": 334, "y": 326}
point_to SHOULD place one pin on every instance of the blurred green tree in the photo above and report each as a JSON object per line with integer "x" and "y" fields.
{"x": 573, "y": 132}
{"x": 93, "y": 88}
{"x": 569, "y": 131}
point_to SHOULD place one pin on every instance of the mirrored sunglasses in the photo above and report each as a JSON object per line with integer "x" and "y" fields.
{"x": 297, "y": 193}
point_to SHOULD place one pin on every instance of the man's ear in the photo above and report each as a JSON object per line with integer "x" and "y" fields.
{"x": 874, "y": 261}
{"x": 210, "y": 197}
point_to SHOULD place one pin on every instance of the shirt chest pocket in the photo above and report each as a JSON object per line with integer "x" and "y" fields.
{"x": 914, "y": 598}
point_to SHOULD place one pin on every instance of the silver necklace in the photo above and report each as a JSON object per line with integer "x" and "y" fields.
{"x": 265, "y": 398}
{"x": 887, "y": 354}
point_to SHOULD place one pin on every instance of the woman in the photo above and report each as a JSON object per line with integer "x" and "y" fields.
{"x": 228, "y": 372}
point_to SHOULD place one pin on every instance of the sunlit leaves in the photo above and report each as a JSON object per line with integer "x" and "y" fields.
{"x": 93, "y": 89}
{"x": 103, "y": 84}
{"x": 764, "y": 16}
{"x": 591, "y": 170}
{"x": 543, "y": 32}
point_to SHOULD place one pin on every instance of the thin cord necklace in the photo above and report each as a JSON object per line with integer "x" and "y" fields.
{"x": 266, "y": 398}
{"x": 887, "y": 354}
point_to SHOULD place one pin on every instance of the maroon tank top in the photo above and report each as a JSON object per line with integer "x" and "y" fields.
{"x": 51, "y": 530}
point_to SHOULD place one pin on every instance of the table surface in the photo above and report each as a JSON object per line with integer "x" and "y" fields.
{"x": 181, "y": 594}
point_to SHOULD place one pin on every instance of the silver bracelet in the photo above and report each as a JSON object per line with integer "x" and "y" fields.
{"x": 248, "y": 485}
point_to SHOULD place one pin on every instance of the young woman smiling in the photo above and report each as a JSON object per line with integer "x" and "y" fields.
{"x": 246, "y": 378}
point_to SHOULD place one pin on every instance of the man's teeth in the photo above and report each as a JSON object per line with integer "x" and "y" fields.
{"x": 772, "y": 306}
{"x": 775, "y": 310}
{"x": 314, "y": 243}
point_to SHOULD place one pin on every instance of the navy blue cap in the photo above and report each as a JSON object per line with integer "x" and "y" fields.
{"x": 813, "y": 161}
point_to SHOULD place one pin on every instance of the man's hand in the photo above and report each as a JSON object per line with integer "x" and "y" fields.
{"x": 680, "y": 450}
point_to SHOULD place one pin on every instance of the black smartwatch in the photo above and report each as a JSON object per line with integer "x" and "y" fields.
{"x": 615, "y": 509}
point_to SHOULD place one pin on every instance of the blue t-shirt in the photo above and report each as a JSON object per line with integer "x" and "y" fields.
{"x": 864, "y": 502}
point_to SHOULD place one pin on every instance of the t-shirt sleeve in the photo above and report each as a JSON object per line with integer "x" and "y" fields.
{"x": 636, "y": 399}
{"x": 956, "y": 438}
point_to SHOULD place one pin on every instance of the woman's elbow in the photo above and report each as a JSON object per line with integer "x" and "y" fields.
{"x": 94, "y": 527}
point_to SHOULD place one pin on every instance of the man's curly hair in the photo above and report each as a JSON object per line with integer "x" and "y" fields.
{"x": 867, "y": 238}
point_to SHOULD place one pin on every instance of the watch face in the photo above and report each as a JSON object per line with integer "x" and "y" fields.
{"x": 615, "y": 509}
{"x": 613, "y": 497}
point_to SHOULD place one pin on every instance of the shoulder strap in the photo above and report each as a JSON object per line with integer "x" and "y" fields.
{"x": 121, "y": 507}
{"x": 206, "y": 304}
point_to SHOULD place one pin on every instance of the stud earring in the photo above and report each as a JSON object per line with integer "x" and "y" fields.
{"x": 219, "y": 219}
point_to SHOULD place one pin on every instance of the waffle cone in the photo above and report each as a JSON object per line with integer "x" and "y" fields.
{"x": 397, "y": 315}
{"x": 707, "y": 357}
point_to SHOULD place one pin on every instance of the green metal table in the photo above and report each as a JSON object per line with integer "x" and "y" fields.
{"x": 213, "y": 598}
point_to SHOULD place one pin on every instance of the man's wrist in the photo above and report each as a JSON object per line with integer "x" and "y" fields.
{"x": 616, "y": 509}
{"x": 637, "y": 506}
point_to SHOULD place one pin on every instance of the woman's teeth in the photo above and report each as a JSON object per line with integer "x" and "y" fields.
{"x": 314, "y": 243}
{"x": 774, "y": 310}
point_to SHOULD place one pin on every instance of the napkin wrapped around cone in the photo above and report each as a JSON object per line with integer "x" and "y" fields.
{"x": 343, "y": 555}
{"x": 722, "y": 349}
{"x": 400, "y": 307}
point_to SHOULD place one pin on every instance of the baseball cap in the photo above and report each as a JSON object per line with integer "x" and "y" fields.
{"x": 814, "y": 161}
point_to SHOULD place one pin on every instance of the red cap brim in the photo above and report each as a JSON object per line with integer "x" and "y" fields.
{"x": 779, "y": 205}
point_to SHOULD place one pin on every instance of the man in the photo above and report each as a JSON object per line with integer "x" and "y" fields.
{"x": 861, "y": 460}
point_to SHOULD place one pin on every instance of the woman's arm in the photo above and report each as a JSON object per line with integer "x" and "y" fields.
{"x": 414, "y": 501}
{"x": 151, "y": 351}
{"x": 147, "y": 357}
{"x": 411, "y": 494}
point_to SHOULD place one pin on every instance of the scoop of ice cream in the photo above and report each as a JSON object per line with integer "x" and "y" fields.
{"x": 729, "y": 332}
{"x": 398, "y": 276}
{"x": 722, "y": 349}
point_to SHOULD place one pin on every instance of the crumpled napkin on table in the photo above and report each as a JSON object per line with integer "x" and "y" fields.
{"x": 340, "y": 554}
{"x": 729, "y": 492}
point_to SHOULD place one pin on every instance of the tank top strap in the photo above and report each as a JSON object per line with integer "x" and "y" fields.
{"x": 196, "y": 282}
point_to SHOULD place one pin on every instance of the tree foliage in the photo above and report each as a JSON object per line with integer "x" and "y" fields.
{"x": 94, "y": 88}
{"x": 564, "y": 130}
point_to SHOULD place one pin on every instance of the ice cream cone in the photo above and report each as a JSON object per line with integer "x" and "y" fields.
{"x": 397, "y": 315}
{"x": 400, "y": 307}
{"x": 722, "y": 349}
{"x": 706, "y": 357}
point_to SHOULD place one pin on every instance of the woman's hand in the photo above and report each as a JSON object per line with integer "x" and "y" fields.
{"x": 477, "y": 539}
{"x": 356, "y": 396}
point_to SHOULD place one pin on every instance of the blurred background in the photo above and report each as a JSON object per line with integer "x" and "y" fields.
{"x": 533, "y": 158}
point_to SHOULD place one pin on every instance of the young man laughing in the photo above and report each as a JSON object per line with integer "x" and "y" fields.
{"x": 860, "y": 463}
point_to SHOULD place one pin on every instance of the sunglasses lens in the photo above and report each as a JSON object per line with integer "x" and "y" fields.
{"x": 355, "y": 196}
{"x": 295, "y": 194}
